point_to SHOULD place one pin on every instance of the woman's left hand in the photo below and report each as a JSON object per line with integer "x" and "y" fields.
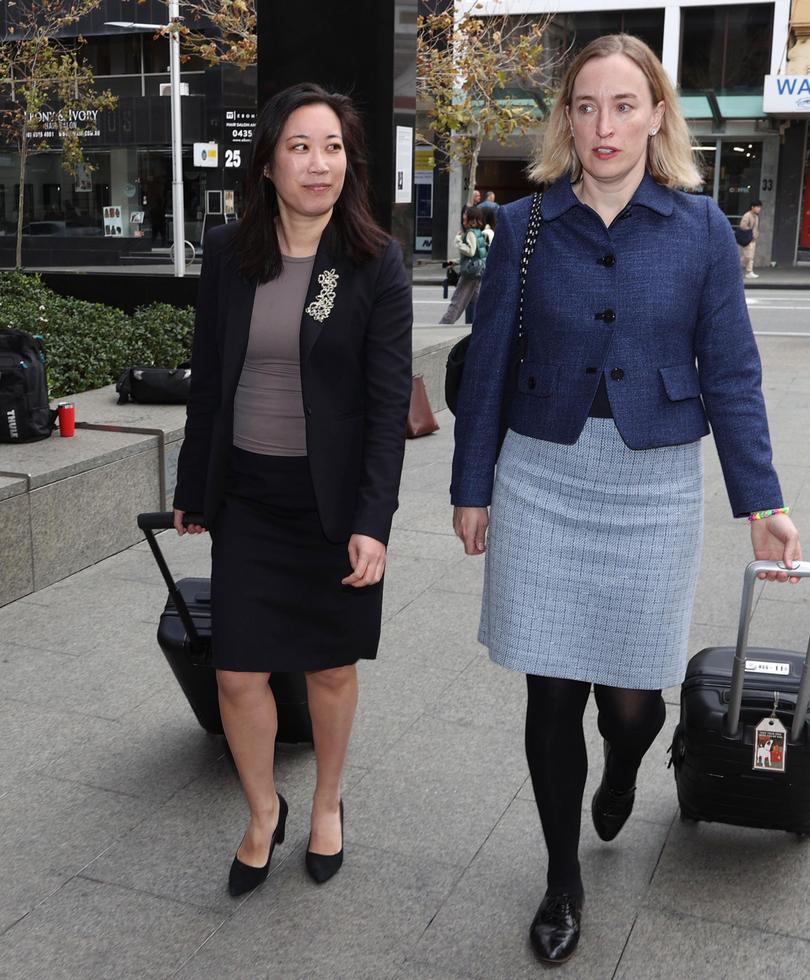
{"x": 367, "y": 558}
{"x": 776, "y": 538}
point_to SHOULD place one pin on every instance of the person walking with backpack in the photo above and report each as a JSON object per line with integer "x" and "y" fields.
{"x": 473, "y": 247}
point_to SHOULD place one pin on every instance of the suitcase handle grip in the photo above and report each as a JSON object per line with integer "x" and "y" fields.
{"x": 800, "y": 569}
{"x": 164, "y": 520}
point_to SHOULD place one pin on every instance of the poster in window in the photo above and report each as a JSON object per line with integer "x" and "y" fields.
{"x": 113, "y": 224}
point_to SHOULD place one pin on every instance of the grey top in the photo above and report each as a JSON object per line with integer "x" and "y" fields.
{"x": 268, "y": 411}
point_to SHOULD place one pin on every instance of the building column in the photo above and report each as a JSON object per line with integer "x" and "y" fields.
{"x": 456, "y": 198}
{"x": 767, "y": 194}
{"x": 672, "y": 41}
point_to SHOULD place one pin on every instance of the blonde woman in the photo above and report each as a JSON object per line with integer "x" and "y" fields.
{"x": 635, "y": 346}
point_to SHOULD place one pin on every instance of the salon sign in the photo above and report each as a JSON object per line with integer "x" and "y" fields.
{"x": 786, "y": 95}
{"x": 57, "y": 124}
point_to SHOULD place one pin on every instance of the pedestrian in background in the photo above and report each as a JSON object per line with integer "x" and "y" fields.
{"x": 634, "y": 346}
{"x": 490, "y": 206}
{"x": 293, "y": 450}
{"x": 472, "y": 245}
{"x": 750, "y": 222}
{"x": 476, "y": 200}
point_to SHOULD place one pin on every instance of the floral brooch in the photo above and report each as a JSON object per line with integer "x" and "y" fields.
{"x": 320, "y": 308}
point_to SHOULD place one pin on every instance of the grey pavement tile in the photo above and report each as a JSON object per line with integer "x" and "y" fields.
{"x": 433, "y": 475}
{"x": 78, "y": 627}
{"x": 425, "y": 971}
{"x": 482, "y": 930}
{"x": 32, "y": 738}
{"x": 93, "y": 930}
{"x": 105, "y": 682}
{"x": 406, "y": 578}
{"x": 429, "y": 546}
{"x": 184, "y": 849}
{"x": 666, "y": 945}
{"x": 393, "y": 681}
{"x": 700, "y": 875}
{"x": 466, "y": 575}
{"x": 49, "y": 831}
{"x": 150, "y": 752}
{"x": 378, "y": 726}
{"x": 438, "y": 792}
{"x": 358, "y": 926}
{"x": 438, "y": 627}
{"x": 484, "y": 695}
{"x": 422, "y": 510}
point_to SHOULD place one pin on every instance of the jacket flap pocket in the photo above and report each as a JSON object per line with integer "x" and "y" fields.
{"x": 538, "y": 379}
{"x": 681, "y": 381}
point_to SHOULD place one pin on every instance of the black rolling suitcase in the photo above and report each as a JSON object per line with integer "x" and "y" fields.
{"x": 741, "y": 750}
{"x": 184, "y": 636}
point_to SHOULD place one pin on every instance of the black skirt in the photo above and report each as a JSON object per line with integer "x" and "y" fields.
{"x": 276, "y": 599}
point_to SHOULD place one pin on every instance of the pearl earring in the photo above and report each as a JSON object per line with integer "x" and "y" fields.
{"x": 653, "y": 132}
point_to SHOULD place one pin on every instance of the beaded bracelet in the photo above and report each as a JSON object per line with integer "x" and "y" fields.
{"x": 760, "y": 515}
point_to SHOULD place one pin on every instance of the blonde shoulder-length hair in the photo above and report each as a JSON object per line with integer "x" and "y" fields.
{"x": 670, "y": 159}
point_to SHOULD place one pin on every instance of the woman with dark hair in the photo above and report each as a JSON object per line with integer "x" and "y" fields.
{"x": 293, "y": 450}
{"x": 473, "y": 245}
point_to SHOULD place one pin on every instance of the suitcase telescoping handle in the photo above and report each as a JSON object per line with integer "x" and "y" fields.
{"x": 801, "y": 569}
{"x": 163, "y": 521}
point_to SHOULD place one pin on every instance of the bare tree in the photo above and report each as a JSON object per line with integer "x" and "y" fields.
{"x": 220, "y": 31}
{"x": 468, "y": 68}
{"x": 46, "y": 85}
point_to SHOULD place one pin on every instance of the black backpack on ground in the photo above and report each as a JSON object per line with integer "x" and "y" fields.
{"x": 25, "y": 414}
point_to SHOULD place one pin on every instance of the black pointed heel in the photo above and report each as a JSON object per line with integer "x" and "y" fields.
{"x": 610, "y": 808}
{"x": 243, "y": 877}
{"x": 322, "y": 867}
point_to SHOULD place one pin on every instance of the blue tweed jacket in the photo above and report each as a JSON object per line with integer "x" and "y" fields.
{"x": 655, "y": 302}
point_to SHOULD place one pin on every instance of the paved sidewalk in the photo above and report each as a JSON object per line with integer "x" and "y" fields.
{"x": 119, "y": 816}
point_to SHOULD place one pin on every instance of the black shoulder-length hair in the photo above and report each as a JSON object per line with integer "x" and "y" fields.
{"x": 359, "y": 235}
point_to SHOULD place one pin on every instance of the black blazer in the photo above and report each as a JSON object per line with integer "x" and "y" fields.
{"x": 355, "y": 380}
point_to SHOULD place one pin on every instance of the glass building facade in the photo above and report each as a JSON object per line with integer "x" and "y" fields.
{"x": 120, "y": 201}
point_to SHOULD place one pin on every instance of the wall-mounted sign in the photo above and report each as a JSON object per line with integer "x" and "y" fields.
{"x": 239, "y": 125}
{"x": 787, "y": 95}
{"x": 403, "y": 166}
{"x": 56, "y": 124}
{"x": 206, "y": 155}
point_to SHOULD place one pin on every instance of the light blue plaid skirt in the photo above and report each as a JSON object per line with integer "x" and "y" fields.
{"x": 592, "y": 558}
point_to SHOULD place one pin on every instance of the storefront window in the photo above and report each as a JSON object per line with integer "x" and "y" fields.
{"x": 727, "y": 49}
{"x": 740, "y": 171}
{"x": 113, "y": 55}
{"x": 576, "y": 30}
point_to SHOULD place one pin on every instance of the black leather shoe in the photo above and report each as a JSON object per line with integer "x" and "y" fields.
{"x": 554, "y": 933}
{"x": 610, "y": 808}
{"x": 244, "y": 877}
{"x": 322, "y": 867}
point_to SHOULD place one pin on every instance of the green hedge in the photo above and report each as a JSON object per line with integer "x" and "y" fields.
{"x": 89, "y": 344}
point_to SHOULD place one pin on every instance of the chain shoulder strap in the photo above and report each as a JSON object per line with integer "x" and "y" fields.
{"x": 535, "y": 219}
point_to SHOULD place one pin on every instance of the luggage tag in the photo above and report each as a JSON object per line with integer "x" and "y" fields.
{"x": 770, "y": 742}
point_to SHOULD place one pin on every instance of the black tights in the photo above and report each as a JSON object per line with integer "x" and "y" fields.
{"x": 555, "y": 748}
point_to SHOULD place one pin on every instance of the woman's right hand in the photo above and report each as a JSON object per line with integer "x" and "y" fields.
{"x": 470, "y": 524}
{"x": 178, "y": 524}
